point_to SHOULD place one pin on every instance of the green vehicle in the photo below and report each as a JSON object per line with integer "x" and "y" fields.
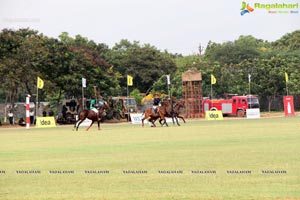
{"x": 126, "y": 105}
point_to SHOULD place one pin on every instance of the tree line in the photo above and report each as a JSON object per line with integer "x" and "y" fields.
{"x": 233, "y": 62}
{"x": 62, "y": 62}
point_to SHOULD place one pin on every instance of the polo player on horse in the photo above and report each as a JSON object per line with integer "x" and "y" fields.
{"x": 156, "y": 104}
{"x": 95, "y": 106}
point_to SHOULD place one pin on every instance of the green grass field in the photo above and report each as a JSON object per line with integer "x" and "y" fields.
{"x": 234, "y": 159}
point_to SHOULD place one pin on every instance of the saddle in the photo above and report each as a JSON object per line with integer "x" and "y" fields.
{"x": 95, "y": 110}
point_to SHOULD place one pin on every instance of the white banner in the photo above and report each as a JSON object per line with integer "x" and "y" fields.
{"x": 253, "y": 113}
{"x": 136, "y": 118}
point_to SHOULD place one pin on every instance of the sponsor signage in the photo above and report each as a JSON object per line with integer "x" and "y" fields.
{"x": 45, "y": 122}
{"x": 136, "y": 118}
{"x": 288, "y": 102}
{"x": 214, "y": 115}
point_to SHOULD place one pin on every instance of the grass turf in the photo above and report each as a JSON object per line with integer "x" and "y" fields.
{"x": 169, "y": 162}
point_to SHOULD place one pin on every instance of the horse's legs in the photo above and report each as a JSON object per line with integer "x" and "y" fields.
{"x": 165, "y": 121}
{"x": 143, "y": 122}
{"x": 98, "y": 124}
{"x": 181, "y": 118}
{"x": 146, "y": 116}
{"x": 77, "y": 124}
{"x": 152, "y": 121}
{"x": 173, "y": 119}
{"x": 160, "y": 121}
{"x": 144, "y": 113}
{"x": 90, "y": 125}
{"x": 177, "y": 122}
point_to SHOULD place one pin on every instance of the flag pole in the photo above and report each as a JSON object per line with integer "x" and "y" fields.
{"x": 249, "y": 79}
{"x": 127, "y": 102}
{"x": 211, "y": 83}
{"x": 39, "y": 85}
{"x": 210, "y": 90}
{"x": 169, "y": 91}
{"x": 249, "y": 88}
{"x": 129, "y": 83}
{"x": 82, "y": 98}
{"x": 168, "y": 83}
{"x": 286, "y": 83}
{"x": 211, "y": 97}
{"x": 36, "y": 102}
{"x": 27, "y": 111}
{"x": 83, "y": 85}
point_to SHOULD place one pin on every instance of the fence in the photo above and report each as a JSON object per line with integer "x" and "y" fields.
{"x": 277, "y": 103}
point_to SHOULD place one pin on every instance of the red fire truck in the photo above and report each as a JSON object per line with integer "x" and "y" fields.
{"x": 237, "y": 105}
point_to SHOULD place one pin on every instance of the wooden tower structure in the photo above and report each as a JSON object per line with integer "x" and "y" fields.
{"x": 192, "y": 93}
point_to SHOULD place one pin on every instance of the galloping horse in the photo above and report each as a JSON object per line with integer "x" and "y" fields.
{"x": 152, "y": 116}
{"x": 176, "y": 111}
{"x": 92, "y": 115}
{"x": 173, "y": 111}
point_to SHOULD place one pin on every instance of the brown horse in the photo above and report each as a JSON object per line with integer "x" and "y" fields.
{"x": 152, "y": 115}
{"x": 174, "y": 111}
{"x": 92, "y": 115}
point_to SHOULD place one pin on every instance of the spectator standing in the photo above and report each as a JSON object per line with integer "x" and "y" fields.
{"x": 11, "y": 118}
{"x": 31, "y": 114}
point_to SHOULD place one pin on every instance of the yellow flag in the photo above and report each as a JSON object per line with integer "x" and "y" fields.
{"x": 286, "y": 77}
{"x": 40, "y": 83}
{"x": 129, "y": 80}
{"x": 213, "y": 80}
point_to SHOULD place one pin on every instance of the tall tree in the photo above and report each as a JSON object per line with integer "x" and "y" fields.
{"x": 21, "y": 56}
{"x": 144, "y": 62}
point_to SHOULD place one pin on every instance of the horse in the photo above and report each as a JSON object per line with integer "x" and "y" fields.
{"x": 152, "y": 116}
{"x": 176, "y": 111}
{"x": 173, "y": 111}
{"x": 92, "y": 115}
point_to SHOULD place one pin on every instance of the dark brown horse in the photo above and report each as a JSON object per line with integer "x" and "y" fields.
{"x": 176, "y": 111}
{"x": 91, "y": 115}
{"x": 173, "y": 111}
{"x": 153, "y": 115}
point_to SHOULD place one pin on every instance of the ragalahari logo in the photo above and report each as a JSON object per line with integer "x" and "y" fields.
{"x": 246, "y": 8}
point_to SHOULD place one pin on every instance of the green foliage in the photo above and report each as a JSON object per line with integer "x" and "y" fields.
{"x": 137, "y": 95}
{"x": 266, "y": 62}
{"x": 61, "y": 63}
{"x": 289, "y": 42}
{"x": 22, "y": 55}
{"x": 144, "y": 63}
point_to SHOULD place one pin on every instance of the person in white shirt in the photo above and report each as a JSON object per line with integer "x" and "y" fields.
{"x": 11, "y": 118}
